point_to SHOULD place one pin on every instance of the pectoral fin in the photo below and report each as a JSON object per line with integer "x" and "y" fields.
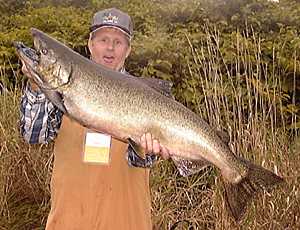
{"x": 187, "y": 167}
{"x": 57, "y": 99}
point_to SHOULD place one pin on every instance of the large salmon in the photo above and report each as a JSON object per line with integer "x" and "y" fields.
{"x": 127, "y": 107}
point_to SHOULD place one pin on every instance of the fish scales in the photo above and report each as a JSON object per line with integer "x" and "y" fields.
{"x": 128, "y": 110}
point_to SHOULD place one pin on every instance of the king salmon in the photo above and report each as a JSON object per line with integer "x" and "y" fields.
{"x": 126, "y": 107}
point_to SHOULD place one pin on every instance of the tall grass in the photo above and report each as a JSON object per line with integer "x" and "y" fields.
{"x": 24, "y": 171}
{"x": 242, "y": 96}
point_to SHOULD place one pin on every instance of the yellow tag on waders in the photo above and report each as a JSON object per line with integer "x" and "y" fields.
{"x": 96, "y": 148}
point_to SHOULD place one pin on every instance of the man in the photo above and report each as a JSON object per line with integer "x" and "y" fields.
{"x": 88, "y": 192}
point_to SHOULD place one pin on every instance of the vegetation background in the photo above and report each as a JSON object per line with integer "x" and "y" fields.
{"x": 236, "y": 63}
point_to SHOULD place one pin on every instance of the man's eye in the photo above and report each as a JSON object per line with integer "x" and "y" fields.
{"x": 103, "y": 40}
{"x": 118, "y": 42}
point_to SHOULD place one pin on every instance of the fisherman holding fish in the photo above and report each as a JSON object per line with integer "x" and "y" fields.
{"x": 93, "y": 185}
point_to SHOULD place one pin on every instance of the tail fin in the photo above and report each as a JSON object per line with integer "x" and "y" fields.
{"x": 237, "y": 196}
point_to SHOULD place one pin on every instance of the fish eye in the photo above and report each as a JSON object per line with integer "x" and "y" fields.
{"x": 44, "y": 51}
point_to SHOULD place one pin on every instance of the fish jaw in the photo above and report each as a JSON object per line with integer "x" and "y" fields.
{"x": 31, "y": 59}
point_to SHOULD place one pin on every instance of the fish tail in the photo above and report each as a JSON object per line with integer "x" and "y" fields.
{"x": 238, "y": 195}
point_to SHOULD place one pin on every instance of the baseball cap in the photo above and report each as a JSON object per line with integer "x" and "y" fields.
{"x": 112, "y": 18}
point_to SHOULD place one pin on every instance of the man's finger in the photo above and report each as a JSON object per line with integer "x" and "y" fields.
{"x": 156, "y": 146}
{"x": 164, "y": 152}
{"x": 143, "y": 141}
{"x": 149, "y": 142}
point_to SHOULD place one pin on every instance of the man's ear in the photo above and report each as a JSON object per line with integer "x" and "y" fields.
{"x": 90, "y": 45}
{"x": 128, "y": 51}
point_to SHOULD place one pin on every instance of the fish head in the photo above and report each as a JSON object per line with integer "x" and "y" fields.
{"x": 54, "y": 66}
{"x": 47, "y": 62}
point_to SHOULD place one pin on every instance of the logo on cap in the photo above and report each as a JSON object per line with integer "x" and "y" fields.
{"x": 109, "y": 18}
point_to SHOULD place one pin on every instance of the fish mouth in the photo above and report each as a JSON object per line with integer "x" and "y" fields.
{"x": 27, "y": 54}
{"x": 30, "y": 58}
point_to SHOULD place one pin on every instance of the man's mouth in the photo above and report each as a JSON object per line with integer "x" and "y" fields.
{"x": 108, "y": 59}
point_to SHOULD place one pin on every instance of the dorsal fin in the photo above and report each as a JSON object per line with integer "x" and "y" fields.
{"x": 223, "y": 135}
{"x": 162, "y": 86}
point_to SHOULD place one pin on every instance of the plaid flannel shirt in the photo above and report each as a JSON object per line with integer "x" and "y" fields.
{"x": 40, "y": 120}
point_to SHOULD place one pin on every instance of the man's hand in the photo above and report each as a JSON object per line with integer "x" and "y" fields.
{"x": 151, "y": 145}
{"x": 28, "y": 74}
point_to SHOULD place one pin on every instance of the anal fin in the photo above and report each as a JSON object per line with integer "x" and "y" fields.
{"x": 187, "y": 167}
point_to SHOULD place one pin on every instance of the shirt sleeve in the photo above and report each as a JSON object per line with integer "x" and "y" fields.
{"x": 40, "y": 120}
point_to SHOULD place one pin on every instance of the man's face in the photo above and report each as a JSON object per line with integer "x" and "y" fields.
{"x": 110, "y": 47}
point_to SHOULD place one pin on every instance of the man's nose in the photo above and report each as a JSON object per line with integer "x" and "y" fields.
{"x": 110, "y": 46}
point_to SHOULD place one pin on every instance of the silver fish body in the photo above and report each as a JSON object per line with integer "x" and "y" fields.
{"x": 125, "y": 107}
